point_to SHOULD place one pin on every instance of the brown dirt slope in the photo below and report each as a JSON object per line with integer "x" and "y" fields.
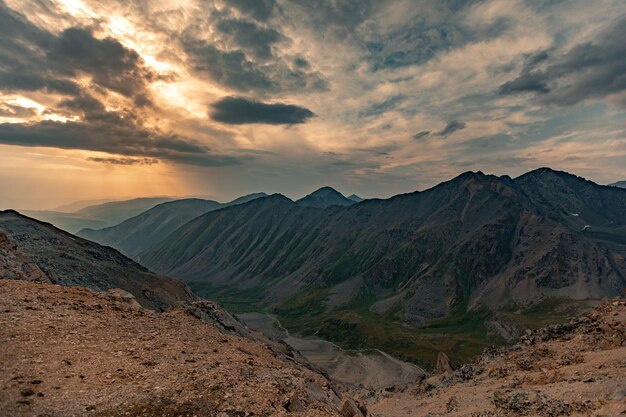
{"x": 74, "y": 352}
{"x": 574, "y": 369}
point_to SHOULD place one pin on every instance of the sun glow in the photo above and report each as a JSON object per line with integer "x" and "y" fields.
{"x": 77, "y": 8}
{"x": 23, "y": 102}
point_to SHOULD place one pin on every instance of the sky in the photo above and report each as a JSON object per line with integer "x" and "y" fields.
{"x": 119, "y": 99}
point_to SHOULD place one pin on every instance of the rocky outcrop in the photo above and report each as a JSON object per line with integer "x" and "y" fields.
{"x": 443, "y": 366}
{"x": 574, "y": 368}
{"x": 17, "y": 265}
{"x": 350, "y": 408}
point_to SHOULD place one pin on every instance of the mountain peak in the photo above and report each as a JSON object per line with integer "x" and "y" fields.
{"x": 278, "y": 197}
{"x": 246, "y": 198}
{"x": 546, "y": 172}
{"x": 325, "y": 197}
{"x": 470, "y": 176}
{"x": 325, "y": 191}
{"x": 355, "y": 198}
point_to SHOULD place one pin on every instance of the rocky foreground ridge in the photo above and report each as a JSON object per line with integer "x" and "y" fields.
{"x": 75, "y": 352}
{"x": 573, "y": 369}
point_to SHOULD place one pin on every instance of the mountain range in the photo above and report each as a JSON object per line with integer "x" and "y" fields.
{"x": 97, "y": 215}
{"x": 620, "y": 184}
{"x": 456, "y": 267}
{"x": 476, "y": 244}
{"x": 472, "y": 243}
{"x": 138, "y": 232}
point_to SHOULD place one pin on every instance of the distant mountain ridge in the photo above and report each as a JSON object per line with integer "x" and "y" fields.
{"x": 98, "y": 215}
{"x": 620, "y": 184}
{"x": 476, "y": 240}
{"x": 37, "y": 251}
{"x": 145, "y": 229}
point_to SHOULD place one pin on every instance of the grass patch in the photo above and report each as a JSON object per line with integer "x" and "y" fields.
{"x": 545, "y": 312}
{"x": 234, "y": 300}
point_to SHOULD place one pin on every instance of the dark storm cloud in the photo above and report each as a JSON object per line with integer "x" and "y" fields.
{"x": 379, "y": 108}
{"x": 590, "y": 70}
{"x": 432, "y": 27}
{"x": 437, "y": 29}
{"x": 258, "y": 9}
{"x": 247, "y": 55}
{"x": 110, "y": 64}
{"x": 422, "y": 134}
{"x": 33, "y": 59}
{"x": 529, "y": 80}
{"x": 239, "y": 110}
{"x": 526, "y": 82}
{"x": 12, "y": 110}
{"x": 452, "y": 127}
{"x": 258, "y": 41}
{"x": 340, "y": 17}
{"x": 232, "y": 68}
{"x": 114, "y": 133}
{"x": 125, "y": 161}
{"x": 236, "y": 70}
{"x": 31, "y": 81}
{"x": 21, "y": 52}
{"x": 412, "y": 45}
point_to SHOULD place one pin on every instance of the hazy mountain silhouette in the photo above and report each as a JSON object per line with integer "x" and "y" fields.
{"x": 97, "y": 216}
{"x": 137, "y": 233}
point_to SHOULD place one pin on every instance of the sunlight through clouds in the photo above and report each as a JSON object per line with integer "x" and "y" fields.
{"x": 383, "y": 81}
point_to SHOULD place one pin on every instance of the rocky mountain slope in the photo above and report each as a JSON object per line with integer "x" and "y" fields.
{"x": 139, "y": 232}
{"x": 37, "y": 251}
{"x": 325, "y": 197}
{"x": 97, "y": 215}
{"x": 475, "y": 242}
{"x": 71, "y": 351}
{"x": 574, "y": 369}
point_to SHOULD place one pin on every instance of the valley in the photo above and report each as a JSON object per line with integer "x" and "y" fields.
{"x": 371, "y": 369}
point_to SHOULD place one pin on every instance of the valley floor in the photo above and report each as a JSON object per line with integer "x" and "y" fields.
{"x": 576, "y": 369}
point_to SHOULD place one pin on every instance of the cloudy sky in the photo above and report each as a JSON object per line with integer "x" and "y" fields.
{"x": 106, "y": 99}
